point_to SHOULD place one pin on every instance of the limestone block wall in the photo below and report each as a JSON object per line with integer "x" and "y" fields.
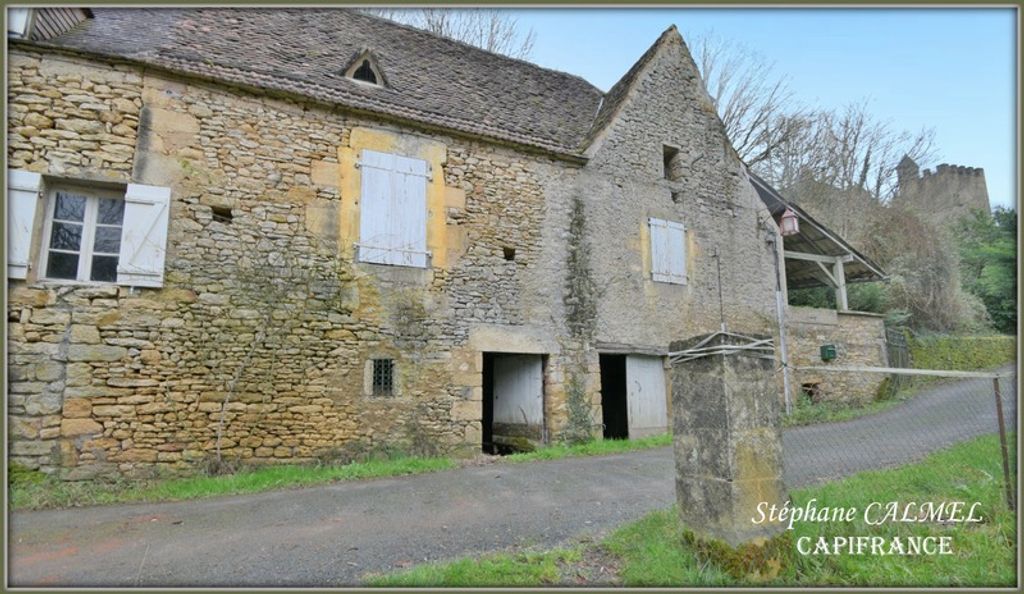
{"x": 859, "y": 338}
{"x": 257, "y": 344}
{"x": 72, "y": 121}
{"x": 725, "y": 234}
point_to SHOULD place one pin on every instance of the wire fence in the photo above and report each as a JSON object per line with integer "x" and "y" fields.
{"x": 911, "y": 414}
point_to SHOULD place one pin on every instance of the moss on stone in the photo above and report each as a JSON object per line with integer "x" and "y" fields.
{"x": 755, "y": 561}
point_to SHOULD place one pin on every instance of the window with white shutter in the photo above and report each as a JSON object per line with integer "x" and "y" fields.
{"x": 393, "y": 210}
{"x": 23, "y": 188}
{"x": 668, "y": 251}
{"x": 144, "y": 241}
{"x": 94, "y": 235}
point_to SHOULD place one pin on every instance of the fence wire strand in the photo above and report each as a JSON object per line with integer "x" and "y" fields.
{"x": 909, "y": 416}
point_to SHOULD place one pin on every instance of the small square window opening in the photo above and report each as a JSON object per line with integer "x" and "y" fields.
{"x": 509, "y": 253}
{"x": 222, "y": 214}
{"x": 383, "y": 377}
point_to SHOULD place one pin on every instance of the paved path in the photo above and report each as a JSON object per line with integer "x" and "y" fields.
{"x": 332, "y": 535}
{"x": 938, "y": 417}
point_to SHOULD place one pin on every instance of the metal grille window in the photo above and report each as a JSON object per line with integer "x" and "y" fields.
{"x": 383, "y": 377}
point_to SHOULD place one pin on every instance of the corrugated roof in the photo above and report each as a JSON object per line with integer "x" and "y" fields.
{"x": 431, "y": 79}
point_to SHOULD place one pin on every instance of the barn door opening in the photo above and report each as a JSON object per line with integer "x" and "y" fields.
{"x": 614, "y": 414}
{"x": 513, "y": 407}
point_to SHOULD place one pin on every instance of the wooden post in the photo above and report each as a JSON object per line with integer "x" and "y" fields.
{"x": 1002, "y": 445}
{"x": 839, "y": 276}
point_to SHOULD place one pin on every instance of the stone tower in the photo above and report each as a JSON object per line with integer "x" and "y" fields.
{"x": 943, "y": 197}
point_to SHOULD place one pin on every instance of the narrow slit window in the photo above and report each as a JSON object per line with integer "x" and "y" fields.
{"x": 671, "y": 163}
{"x": 383, "y": 377}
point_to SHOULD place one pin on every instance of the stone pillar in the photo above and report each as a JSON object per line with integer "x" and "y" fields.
{"x": 728, "y": 442}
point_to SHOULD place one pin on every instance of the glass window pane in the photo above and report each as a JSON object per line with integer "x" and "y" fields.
{"x": 69, "y": 207}
{"x": 111, "y": 211}
{"x": 104, "y": 268}
{"x": 108, "y": 240}
{"x": 66, "y": 236}
{"x": 62, "y": 266}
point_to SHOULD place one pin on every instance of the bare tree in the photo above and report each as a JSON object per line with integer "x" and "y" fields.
{"x": 493, "y": 30}
{"x": 788, "y": 143}
{"x": 757, "y": 107}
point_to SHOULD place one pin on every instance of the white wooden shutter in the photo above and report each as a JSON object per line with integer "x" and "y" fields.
{"x": 668, "y": 251}
{"x": 144, "y": 236}
{"x": 393, "y": 210}
{"x": 23, "y": 189}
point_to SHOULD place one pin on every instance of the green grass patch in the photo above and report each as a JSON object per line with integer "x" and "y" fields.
{"x": 528, "y": 568}
{"x": 652, "y": 551}
{"x": 597, "y": 447}
{"x": 31, "y": 490}
{"x": 984, "y": 553}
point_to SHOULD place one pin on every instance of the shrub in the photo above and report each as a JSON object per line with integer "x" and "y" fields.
{"x": 962, "y": 353}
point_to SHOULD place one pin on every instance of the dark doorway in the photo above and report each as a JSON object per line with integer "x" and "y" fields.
{"x": 613, "y": 397}
{"x": 488, "y": 420}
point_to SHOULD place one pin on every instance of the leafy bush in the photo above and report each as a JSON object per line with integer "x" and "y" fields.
{"x": 988, "y": 264}
{"x": 962, "y": 353}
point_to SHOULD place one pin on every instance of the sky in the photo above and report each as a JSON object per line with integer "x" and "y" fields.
{"x": 953, "y": 70}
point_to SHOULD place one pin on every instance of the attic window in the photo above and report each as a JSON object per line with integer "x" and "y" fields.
{"x": 365, "y": 73}
{"x": 365, "y": 69}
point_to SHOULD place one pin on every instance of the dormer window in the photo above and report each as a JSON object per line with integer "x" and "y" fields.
{"x": 364, "y": 69}
{"x": 365, "y": 73}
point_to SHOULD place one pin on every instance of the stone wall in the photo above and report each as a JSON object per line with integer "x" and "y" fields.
{"x": 257, "y": 343}
{"x": 257, "y": 346}
{"x": 724, "y": 219}
{"x": 944, "y": 196}
{"x": 859, "y": 339}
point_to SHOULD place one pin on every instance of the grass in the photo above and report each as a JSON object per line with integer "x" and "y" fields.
{"x": 651, "y": 551}
{"x": 806, "y": 412}
{"x": 601, "y": 447}
{"x": 528, "y": 568}
{"x": 33, "y": 490}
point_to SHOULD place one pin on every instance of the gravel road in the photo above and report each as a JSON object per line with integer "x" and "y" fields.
{"x": 332, "y": 535}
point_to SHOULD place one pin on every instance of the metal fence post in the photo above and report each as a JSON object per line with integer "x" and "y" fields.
{"x": 1002, "y": 443}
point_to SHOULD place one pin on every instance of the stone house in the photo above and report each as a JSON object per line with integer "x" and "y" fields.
{"x": 273, "y": 234}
